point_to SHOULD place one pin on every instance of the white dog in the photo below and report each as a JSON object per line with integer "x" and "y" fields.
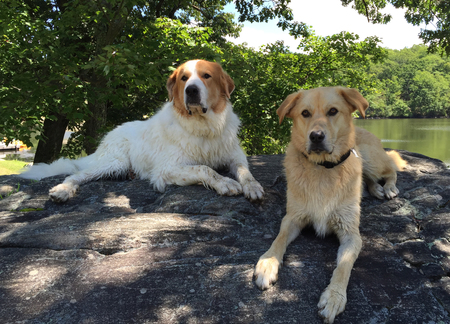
{"x": 194, "y": 133}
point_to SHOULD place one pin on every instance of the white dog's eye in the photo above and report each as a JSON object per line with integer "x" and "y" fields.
{"x": 306, "y": 113}
{"x": 207, "y": 76}
{"x": 184, "y": 78}
{"x": 332, "y": 112}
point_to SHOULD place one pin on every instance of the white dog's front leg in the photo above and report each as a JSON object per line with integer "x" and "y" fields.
{"x": 188, "y": 175}
{"x": 251, "y": 188}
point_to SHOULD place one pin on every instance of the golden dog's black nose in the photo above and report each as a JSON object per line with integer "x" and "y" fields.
{"x": 317, "y": 137}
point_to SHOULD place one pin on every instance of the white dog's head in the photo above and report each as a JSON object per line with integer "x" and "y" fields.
{"x": 197, "y": 86}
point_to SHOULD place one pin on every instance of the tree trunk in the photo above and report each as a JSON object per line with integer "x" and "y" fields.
{"x": 53, "y": 133}
{"x": 94, "y": 125}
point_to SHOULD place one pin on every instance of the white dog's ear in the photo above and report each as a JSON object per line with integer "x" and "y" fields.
{"x": 356, "y": 100}
{"x": 287, "y": 105}
{"x": 227, "y": 84}
{"x": 171, "y": 84}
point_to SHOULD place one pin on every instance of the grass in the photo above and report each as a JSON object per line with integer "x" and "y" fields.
{"x": 11, "y": 166}
{"x": 11, "y": 192}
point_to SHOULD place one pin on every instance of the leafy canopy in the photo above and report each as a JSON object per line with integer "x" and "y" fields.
{"x": 91, "y": 65}
{"x": 435, "y": 14}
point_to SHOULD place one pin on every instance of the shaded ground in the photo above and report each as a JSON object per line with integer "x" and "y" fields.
{"x": 120, "y": 252}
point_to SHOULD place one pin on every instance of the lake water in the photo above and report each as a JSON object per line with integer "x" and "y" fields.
{"x": 430, "y": 137}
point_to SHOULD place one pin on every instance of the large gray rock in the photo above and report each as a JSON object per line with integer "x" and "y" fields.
{"x": 119, "y": 252}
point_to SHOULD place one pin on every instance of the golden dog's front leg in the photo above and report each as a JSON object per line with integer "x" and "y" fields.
{"x": 266, "y": 270}
{"x": 333, "y": 299}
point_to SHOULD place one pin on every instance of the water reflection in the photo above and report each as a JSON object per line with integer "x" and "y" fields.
{"x": 430, "y": 137}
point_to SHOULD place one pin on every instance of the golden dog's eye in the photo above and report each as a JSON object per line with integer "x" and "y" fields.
{"x": 207, "y": 76}
{"x": 184, "y": 78}
{"x": 332, "y": 112}
{"x": 306, "y": 114}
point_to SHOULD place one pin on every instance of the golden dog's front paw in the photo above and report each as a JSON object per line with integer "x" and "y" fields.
{"x": 62, "y": 192}
{"x": 332, "y": 302}
{"x": 266, "y": 272}
{"x": 252, "y": 190}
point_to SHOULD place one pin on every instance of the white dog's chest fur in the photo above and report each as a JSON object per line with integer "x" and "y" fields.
{"x": 166, "y": 140}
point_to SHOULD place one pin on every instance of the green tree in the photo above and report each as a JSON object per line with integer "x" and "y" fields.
{"x": 80, "y": 63}
{"x": 434, "y": 13}
{"x": 429, "y": 94}
{"x": 411, "y": 83}
{"x": 264, "y": 78}
{"x": 90, "y": 65}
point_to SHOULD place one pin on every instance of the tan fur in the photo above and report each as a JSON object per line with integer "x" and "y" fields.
{"x": 400, "y": 164}
{"x": 327, "y": 199}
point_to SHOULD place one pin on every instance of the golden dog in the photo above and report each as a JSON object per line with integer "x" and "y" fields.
{"x": 325, "y": 163}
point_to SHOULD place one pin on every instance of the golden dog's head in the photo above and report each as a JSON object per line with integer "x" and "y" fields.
{"x": 199, "y": 86}
{"x": 323, "y": 127}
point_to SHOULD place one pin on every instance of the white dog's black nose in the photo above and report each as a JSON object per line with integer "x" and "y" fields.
{"x": 192, "y": 95}
{"x": 193, "y": 100}
{"x": 317, "y": 137}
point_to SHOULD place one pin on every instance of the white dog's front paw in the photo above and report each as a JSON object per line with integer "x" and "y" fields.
{"x": 266, "y": 271}
{"x": 332, "y": 302}
{"x": 62, "y": 192}
{"x": 252, "y": 189}
{"x": 227, "y": 187}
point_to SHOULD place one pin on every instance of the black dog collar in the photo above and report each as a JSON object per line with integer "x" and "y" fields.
{"x": 330, "y": 165}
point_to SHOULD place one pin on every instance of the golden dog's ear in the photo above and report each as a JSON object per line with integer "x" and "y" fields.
{"x": 355, "y": 99}
{"x": 171, "y": 84}
{"x": 227, "y": 84}
{"x": 287, "y": 105}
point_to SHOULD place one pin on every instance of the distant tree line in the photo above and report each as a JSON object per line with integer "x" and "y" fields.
{"x": 410, "y": 83}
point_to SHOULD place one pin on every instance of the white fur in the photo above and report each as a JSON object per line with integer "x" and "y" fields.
{"x": 195, "y": 80}
{"x": 165, "y": 149}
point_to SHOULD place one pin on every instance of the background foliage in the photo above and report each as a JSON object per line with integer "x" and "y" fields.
{"x": 88, "y": 66}
{"x": 411, "y": 83}
{"x": 434, "y": 14}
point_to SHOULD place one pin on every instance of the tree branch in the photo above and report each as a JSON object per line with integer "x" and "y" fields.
{"x": 367, "y": 11}
{"x": 206, "y": 15}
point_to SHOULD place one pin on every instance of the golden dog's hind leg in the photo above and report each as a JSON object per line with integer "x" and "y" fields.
{"x": 388, "y": 172}
{"x": 333, "y": 299}
{"x": 378, "y": 165}
{"x": 390, "y": 190}
{"x": 266, "y": 270}
{"x": 396, "y": 164}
